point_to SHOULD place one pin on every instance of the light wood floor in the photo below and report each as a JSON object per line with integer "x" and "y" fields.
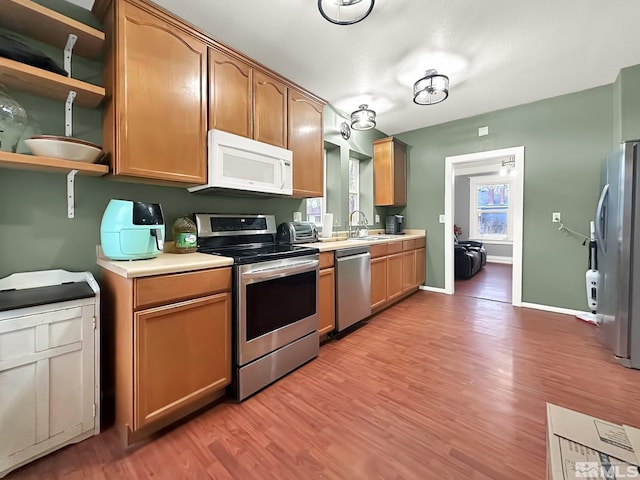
{"x": 436, "y": 387}
{"x": 492, "y": 282}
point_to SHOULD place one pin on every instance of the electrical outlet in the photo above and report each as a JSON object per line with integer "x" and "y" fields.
{"x": 441, "y": 218}
{"x": 555, "y": 217}
{"x": 377, "y": 218}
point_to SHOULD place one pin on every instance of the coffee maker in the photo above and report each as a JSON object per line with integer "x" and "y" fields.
{"x": 394, "y": 225}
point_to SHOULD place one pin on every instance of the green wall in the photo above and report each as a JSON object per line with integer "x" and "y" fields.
{"x": 565, "y": 139}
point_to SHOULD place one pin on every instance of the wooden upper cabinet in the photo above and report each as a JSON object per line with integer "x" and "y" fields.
{"x": 390, "y": 172}
{"x": 159, "y": 98}
{"x": 230, "y": 94}
{"x": 306, "y": 141}
{"x": 269, "y": 110}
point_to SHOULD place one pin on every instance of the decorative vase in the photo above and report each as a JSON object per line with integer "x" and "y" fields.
{"x": 13, "y": 121}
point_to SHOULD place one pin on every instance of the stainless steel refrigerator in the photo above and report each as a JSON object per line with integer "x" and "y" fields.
{"x": 617, "y": 233}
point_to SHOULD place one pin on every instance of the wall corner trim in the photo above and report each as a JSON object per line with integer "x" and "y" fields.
{"x": 549, "y": 308}
{"x": 497, "y": 259}
{"x": 433, "y": 289}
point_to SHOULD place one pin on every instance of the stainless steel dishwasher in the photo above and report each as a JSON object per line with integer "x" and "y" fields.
{"x": 353, "y": 286}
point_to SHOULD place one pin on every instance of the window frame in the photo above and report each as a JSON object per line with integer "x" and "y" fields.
{"x": 473, "y": 208}
{"x": 323, "y": 199}
{"x": 356, "y": 192}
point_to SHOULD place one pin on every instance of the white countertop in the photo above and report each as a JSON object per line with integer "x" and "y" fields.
{"x": 163, "y": 264}
{"x": 186, "y": 262}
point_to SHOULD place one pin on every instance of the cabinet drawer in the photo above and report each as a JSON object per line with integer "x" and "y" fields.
{"x": 408, "y": 245}
{"x": 420, "y": 242}
{"x": 394, "y": 247}
{"x": 378, "y": 250}
{"x": 326, "y": 260}
{"x": 165, "y": 289}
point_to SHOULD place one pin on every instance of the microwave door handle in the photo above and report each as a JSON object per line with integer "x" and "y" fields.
{"x": 282, "y": 167}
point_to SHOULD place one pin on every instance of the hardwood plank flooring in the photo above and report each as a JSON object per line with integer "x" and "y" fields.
{"x": 446, "y": 387}
{"x": 492, "y": 282}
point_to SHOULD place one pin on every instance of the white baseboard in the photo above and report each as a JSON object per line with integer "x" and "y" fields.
{"x": 548, "y": 308}
{"x": 496, "y": 259}
{"x": 432, "y": 289}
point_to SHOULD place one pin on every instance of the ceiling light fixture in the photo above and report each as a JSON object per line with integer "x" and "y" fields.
{"x": 345, "y": 12}
{"x": 508, "y": 167}
{"x": 363, "y": 118}
{"x": 431, "y": 89}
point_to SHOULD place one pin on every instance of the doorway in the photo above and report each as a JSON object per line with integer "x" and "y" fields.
{"x": 476, "y": 164}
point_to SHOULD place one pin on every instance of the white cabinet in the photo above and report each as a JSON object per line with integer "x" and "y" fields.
{"x": 49, "y": 386}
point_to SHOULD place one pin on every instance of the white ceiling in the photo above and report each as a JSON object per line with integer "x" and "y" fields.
{"x": 497, "y": 53}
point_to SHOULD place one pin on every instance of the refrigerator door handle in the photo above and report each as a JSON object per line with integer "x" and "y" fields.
{"x": 599, "y": 219}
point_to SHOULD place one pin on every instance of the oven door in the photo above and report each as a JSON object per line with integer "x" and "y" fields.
{"x": 277, "y": 303}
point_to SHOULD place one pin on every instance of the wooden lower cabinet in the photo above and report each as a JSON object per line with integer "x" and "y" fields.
{"x": 408, "y": 270}
{"x": 394, "y": 276}
{"x": 378, "y": 282}
{"x": 172, "y": 356}
{"x": 421, "y": 266}
{"x": 183, "y": 353}
{"x": 326, "y": 301}
{"x": 397, "y": 269}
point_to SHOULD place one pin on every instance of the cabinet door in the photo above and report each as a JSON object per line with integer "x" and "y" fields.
{"x": 408, "y": 270}
{"x": 230, "y": 94}
{"x": 390, "y": 172}
{"x": 327, "y": 301}
{"x": 394, "y": 276}
{"x": 161, "y": 98}
{"x": 269, "y": 110}
{"x": 378, "y": 282}
{"x": 421, "y": 266}
{"x": 183, "y": 353}
{"x": 306, "y": 142}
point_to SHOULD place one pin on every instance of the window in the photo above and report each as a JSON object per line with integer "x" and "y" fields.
{"x": 354, "y": 188}
{"x": 316, "y": 206}
{"x": 490, "y": 213}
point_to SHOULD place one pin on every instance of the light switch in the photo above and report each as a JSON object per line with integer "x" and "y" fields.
{"x": 377, "y": 218}
{"x": 482, "y": 131}
{"x": 442, "y": 219}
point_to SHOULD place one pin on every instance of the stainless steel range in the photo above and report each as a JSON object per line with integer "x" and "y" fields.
{"x": 275, "y": 297}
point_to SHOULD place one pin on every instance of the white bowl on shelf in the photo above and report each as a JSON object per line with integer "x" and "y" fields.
{"x": 66, "y": 148}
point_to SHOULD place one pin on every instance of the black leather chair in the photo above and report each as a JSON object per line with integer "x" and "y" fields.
{"x": 470, "y": 257}
{"x": 472, "y": 245}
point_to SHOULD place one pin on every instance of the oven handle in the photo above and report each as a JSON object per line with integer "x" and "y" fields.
{"x": 260, "y": 274}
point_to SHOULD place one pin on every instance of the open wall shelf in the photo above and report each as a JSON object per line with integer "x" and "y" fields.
{"x": 47, "y": 84}
{"x": 49, "y": 164}
{"x": 48, "y": 26}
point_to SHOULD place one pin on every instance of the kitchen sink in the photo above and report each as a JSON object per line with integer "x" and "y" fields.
{"x": 373, "y": 237}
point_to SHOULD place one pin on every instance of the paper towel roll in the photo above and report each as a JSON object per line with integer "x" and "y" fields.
{"x": 327, "y": 225}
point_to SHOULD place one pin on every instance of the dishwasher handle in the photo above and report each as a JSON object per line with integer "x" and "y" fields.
{"x": 354, "y": 257}
{"x": 351, "y": 252}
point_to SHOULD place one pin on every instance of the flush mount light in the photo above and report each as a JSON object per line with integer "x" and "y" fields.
{"x": 345, "y": 130}
{"x": 431, "y": 89}
{"x": 363, "y": 118}
{"x": 508, "y": 167}
{"x": 345, "y": 12}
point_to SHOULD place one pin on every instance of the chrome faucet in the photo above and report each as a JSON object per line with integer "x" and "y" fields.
{"x": 363, "y": 222}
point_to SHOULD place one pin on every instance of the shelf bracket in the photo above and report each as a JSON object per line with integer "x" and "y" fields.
{"x": 68, "y": 49}
{"x": 68, "y": 114}
{"x": 71, "y": 179}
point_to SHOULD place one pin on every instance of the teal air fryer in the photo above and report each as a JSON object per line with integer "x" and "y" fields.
{"x": 132, "y": 230}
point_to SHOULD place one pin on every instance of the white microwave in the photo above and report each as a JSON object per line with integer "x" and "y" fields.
{"x": 240, "y": 163}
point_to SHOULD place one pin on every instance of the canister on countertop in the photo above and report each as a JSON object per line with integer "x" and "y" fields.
{"x": 184, "y": 233}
